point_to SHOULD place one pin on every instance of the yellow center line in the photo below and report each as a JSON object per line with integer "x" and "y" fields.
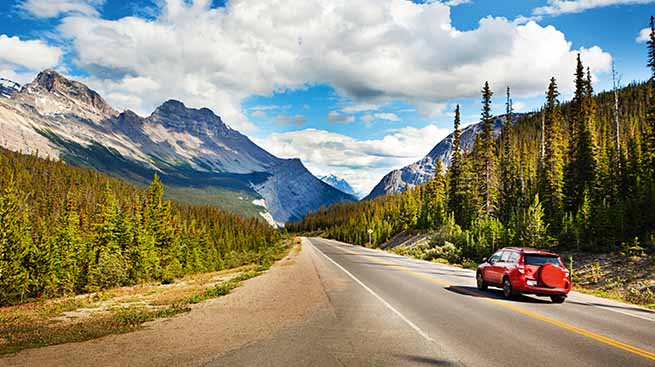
{"x": 534, "y": 315}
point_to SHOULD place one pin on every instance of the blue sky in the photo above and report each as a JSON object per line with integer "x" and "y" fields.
{"x": 353, "y": 88}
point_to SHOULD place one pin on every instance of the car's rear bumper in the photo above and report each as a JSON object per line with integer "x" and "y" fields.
{"x": 543, "y": 290}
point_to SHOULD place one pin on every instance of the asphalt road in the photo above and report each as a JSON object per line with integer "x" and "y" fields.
{"x": 387, "y": 310}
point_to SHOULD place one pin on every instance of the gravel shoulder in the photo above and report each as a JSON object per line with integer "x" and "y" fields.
{"x": 286, "y": 295}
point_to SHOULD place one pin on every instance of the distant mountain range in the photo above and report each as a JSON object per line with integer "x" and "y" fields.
{"x": 340, "y": 184}
{"x": 421, "y": 171}
{"x": 200, "y": 158}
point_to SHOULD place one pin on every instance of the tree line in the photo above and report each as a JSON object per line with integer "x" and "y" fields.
{"x": 67, "y": 230}
{"x": 578, "y": 175}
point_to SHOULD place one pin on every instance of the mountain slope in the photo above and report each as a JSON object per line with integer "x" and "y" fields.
{"x": 421, "y": 171}
{"x": 339, "y": 184}
{"x": 198, "y": 156}
{"x": 8, "y": 87}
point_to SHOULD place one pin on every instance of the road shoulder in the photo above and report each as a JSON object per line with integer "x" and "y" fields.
{"x": 286, "y": 295}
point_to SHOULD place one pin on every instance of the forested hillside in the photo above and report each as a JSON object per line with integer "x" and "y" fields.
{"x": 66, "y": 230}
{"x": 577, "y": 175}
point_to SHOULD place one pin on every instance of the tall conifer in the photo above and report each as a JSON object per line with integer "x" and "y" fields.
{"x": 650, "y": 113}
{"x": 15, "y": 245}
{"x": 455, "y": 187}
{"x": 553, "y": 160}
{"x": 487, "y": 182}
{"x": 581, "y": 170}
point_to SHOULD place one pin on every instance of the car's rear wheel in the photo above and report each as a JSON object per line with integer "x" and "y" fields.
{"x": 508, "y": 292}
{"x": 482, "y": 285}
{"x": 557, "y": 299}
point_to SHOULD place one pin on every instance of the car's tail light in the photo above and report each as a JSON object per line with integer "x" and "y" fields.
{"x": 521, "y": 266}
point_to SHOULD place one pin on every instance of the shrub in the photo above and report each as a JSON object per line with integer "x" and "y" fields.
{"x": 644, "y": 296}
{"x": 110, "y": 271}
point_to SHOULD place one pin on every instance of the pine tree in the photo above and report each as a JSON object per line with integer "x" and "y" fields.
{"x": 650, "y": 114}
{"x": 649, "y": 139}
{"x": 159, "y": 222}
{"x": 71, "y": 251}
{"x": 408, "y": 209}
{"x": 509, "y": 182}
{"x": 535, "y": 229}
{"x": 455, "y": 187}
{"x": 581, "y": 171}
{"x": 649, "y": 132}
{"x": 15, "y": 245}
{"x": 553, "y": 160}
{"x": 108, "y": 267}
{"x": 433, "y": 209}
{"x": 487, "y": 184}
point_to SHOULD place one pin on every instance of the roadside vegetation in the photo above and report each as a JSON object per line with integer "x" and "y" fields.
{"x": 118, "y": 310}
{"x": 574, "y": 177}
{"x": 67, "y": 230}
{"x": 627, "y": 275}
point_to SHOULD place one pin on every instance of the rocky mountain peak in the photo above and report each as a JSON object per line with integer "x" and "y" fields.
{"x": 339, "y": 184}
{"x": 52, "y": 93}
{"x": 174, "y": 114}
{"x": 50, "y": 80}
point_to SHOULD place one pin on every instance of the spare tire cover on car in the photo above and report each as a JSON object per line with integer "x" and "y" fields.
{"x": 552, "y": 275}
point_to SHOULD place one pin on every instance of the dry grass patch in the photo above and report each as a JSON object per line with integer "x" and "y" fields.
{"x": 625, "y": 277}
{"x": 119, "y": 310}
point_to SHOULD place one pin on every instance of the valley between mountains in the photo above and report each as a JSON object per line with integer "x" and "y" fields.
{"x": 197, "y": 155}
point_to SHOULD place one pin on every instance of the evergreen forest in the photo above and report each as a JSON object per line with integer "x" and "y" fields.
{"x": 67, "y": 230}
{"x": 576, "y": 175}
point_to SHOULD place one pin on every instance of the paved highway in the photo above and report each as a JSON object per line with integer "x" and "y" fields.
{"x": 387, "y": 310}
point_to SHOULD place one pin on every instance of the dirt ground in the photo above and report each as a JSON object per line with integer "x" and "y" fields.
{"x": 289, "y": 293}
{"x": 620, "y": 276}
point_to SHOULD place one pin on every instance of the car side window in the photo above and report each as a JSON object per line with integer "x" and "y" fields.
{"x": 514, "y": 257}
{"x": 505, "y": 256}
{"x": 494, "y": 258}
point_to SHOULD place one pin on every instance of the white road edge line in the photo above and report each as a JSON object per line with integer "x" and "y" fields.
{"x": 608, "y": 308}
{"x": 423, "y": 262}
{"x": 390, "y": 307}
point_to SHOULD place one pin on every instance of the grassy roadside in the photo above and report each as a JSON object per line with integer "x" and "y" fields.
{"x": 118, "y": 310}
{"x": 620, "y": 276}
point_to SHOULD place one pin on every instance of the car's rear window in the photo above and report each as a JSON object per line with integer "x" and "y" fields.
{"x": 540, "y": 259}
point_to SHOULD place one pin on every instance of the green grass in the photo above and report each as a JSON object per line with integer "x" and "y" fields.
{"x": 226, "y": 199}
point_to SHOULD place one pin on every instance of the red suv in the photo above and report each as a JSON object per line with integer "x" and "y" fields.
{"x": 520, "y": 270}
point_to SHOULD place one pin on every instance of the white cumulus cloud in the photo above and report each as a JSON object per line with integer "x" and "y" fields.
{"x": 644, "y": 36}
{"x": 361, "y": 162}
{"x": 556, "y": 7}
{"x": 371, "y": 51}
{"x": 33, "y": 55}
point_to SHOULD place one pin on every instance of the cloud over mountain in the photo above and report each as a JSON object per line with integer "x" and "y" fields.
{"x": 18, "y": 57}
{"x": 371, "y": 51}
{"x": 360, "y": 162}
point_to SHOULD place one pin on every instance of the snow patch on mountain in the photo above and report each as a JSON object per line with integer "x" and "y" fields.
{"x": 269, "y": 219}
{"x": 339, "y": 184}
{"x": 260, "y": 202}
{"x": 8, "y": 88}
